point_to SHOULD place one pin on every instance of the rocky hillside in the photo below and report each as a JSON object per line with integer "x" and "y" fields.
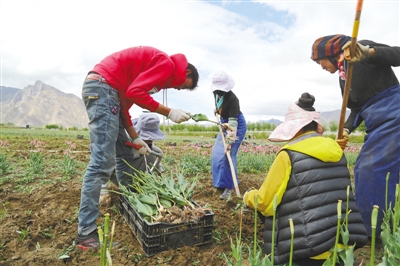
{"x": 332, "y": 116}
{"x": 326, "y": 118}
{"x": 7, "y": 93}
{"x": 40, "y": 105}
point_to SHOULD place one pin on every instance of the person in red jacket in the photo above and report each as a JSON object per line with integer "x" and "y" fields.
{"x": 119, "y": 81}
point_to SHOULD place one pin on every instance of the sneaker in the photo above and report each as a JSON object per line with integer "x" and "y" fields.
{"x": 87, "y": 242}
{"x": 226, "y": 194}
{"x": 91, "y": 241}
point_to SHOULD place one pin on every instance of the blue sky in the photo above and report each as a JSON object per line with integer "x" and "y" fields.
{"x": 256, "y": 12}
{"x": 264, "y": 45}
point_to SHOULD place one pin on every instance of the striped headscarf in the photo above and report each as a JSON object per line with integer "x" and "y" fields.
{"x": 328, "y": 46}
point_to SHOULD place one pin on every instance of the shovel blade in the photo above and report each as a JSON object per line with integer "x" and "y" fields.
{"x": 201, "y": 117}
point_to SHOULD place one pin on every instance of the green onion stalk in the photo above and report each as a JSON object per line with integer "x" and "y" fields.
{"x": 153, "y": 193}
{"x": 255, "y": 224}
{"x": 347, "y": 206}
{"x": 374, "y": 218}
{"x": 109, "y": 259}
{"x": 387, "y": 191}
{"x": 140, "y": 179}
{"x": 112, "y": 237}
{"x": 102, "y": 255}
{"x": 106, "y": 231}
{"x": 396, "y": 209}
{"x": 291, "y": 241}
{"x": 273, "y": 229}
{"x": 339, "y": 215}
{"x": 241, "y": 223}
{"x": 165, "y": 187}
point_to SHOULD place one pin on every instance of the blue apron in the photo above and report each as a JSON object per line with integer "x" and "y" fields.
{"x": 221, "y": 171}
{"x": 379, "y": 155}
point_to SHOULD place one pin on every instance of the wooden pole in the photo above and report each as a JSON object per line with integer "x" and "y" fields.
{"x": 349, "y": 71}
{"x": 228, "y": 154}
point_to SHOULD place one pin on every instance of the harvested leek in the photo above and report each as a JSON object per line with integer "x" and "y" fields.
{"x": 162, "y": 199}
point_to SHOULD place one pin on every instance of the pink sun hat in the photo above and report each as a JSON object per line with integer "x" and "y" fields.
{"x": 296, "y": 118}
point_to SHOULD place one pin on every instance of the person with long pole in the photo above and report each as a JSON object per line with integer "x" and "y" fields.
{"x": 374, "y": 98}
{"x": 226, "y": 146}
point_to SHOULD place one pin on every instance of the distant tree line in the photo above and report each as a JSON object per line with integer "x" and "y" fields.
{"x": 333, "y": 127}
{"x": 55, "y": 126}
{"x": 251, "y": 126}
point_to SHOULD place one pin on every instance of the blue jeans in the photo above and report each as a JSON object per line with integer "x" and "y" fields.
{"x": 123, "y": 152}
{"x": 103, "y": 107}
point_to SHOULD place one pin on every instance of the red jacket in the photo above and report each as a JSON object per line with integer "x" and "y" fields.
{"x": 140, "y": 71}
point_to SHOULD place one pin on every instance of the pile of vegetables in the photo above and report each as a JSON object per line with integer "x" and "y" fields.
{"x": 162, "y": 199}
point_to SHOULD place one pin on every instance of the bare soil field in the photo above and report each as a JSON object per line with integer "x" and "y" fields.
{"x": 39, "y": 224}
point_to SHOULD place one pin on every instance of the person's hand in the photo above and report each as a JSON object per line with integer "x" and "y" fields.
{"x": 144, "y": 150}
{"x": 343, "y": 141}
{"x": 231, "y": 135}
{"x": 246, "y": 208}
{"x": 225, "y": 126}
{"x": 361, "y": 52}
{"x": 178, "y": 116}
{"x": 228, "y": 148}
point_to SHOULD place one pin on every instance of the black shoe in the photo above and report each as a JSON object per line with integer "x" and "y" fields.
{"x": 91, "y": 241}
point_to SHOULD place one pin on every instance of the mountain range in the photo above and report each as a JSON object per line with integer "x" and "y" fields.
{"x": 41, "y": 104}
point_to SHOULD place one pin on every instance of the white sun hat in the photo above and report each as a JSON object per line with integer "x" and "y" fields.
{"x": 222, "y": 82}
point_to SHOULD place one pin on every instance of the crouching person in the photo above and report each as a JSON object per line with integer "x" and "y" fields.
{"x": 147, "y": 127}
{"x": 309, "y": 177}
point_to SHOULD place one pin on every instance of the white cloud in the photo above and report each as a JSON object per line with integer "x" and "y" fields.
{"x": 58, "y": 42}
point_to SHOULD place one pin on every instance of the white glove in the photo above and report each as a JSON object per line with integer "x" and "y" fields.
{"x": 361, "y": 52}
{"x": 178, "y": 116}
{"x": 244, "y": 196}
{"x": 144, "y": 150}
{"x": 231, "y": 135}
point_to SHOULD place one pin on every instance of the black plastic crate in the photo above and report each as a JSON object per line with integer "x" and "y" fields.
{"x": 157, "y": 237}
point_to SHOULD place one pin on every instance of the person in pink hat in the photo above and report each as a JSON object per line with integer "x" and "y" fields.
{"x": 309, "y": 177}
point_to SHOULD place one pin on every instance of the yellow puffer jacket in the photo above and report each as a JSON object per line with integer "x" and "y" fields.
{"x": 322, "y": 148}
